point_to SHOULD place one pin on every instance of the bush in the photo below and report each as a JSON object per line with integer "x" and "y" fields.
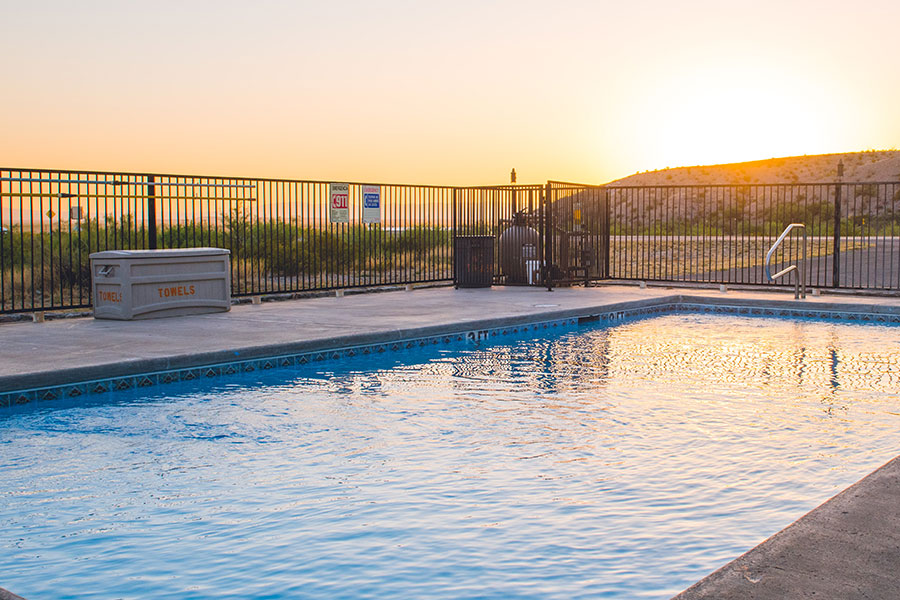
{"x": 418, "y": 239}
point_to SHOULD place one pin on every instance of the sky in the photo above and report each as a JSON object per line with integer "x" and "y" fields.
{"x": 444, "y": 92}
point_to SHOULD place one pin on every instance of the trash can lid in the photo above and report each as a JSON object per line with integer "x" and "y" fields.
{"x": 163, "y": 253}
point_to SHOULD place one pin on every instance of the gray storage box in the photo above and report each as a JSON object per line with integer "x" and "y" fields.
{"x": 146, "y": 284}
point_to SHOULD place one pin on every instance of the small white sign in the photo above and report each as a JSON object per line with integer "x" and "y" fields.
{"x": 340, "y": 203}
{"x": 371, "y": 204}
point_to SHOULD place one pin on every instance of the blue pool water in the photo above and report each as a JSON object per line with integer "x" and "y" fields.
{"x": 620, "y": 462}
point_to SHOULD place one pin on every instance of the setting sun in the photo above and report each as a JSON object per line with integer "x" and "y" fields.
{"x": 737, "y": 124}
{"x": 720, "y": 113}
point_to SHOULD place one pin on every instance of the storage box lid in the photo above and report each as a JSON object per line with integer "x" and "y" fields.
{"x": 164, "y": 253}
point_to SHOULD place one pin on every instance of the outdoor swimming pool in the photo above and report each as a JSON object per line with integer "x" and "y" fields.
{"x": 615, "y": 462}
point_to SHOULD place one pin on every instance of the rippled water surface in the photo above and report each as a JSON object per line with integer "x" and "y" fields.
{"x": 619, "y": 462}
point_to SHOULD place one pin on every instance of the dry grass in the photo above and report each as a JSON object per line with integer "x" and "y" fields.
{"x": 661, "y": 258}
{"x": 38, "y": 289}
{"x": 436, "y": 264}
{"x": 644, "y": 257}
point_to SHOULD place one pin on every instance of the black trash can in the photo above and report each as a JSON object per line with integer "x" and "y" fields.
{"x": 474, "y": 261}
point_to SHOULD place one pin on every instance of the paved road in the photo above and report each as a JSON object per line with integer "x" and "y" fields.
{"x": 875, "y": 267}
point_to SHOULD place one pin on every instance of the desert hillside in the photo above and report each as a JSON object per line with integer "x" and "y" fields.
{"x": 863, "y": 167}
{"x": 678, "y": 199}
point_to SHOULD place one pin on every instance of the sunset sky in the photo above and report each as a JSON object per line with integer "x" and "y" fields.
{"x": 442, "y": 92}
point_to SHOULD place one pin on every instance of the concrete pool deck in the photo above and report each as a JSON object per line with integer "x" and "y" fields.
{"x": 57, "y": 352}
{"x": 848, "y": 548}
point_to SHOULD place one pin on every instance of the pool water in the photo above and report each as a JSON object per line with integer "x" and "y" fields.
{"x": 603, "y": 462}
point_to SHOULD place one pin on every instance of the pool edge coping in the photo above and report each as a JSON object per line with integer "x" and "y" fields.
{"x": 826, "y": 553}
{"x": 117, "y": 376}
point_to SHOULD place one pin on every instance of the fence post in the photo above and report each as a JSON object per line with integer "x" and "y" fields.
{"x": 607, "y": 227}
{"x": 151, "y": 213}
{"x": 836, "y": 260}
{"x": 547, "y": 239}
{"x": 453, "y": 233}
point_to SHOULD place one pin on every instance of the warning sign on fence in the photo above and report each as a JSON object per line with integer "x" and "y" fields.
{"x": 371, "y": 204}
{"x": 340, "y": 203}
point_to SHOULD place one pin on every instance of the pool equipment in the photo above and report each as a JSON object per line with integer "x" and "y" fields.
{"x": 519, "y": 259}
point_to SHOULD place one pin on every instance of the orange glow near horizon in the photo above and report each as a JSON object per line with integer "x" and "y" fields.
{"x": 394, "y": 91}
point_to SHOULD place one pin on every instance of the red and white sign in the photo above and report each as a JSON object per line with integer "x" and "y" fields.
{"x": 340, "y": 202}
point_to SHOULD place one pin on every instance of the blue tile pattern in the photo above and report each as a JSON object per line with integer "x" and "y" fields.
{"x": 612, "y": 316}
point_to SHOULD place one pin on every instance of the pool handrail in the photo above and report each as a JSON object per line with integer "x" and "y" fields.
{"x": 800, "y": 279}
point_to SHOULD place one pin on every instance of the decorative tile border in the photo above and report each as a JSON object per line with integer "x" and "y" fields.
{"x": 793, "y": 313}
{"x": 103, "y": 386}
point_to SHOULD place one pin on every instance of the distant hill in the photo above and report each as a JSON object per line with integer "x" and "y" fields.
{"x": 859, "y": 167}
{"x": 676, "y": 199}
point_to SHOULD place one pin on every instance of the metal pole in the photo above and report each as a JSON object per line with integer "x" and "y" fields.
{"x": 607, "y": 227}
{"x": 836, "y": 261}
{"x": 547, "y": 251}
{"x": 453, "y": 235}
{"x": 151, "y": 213}
{"x": 803, "y": 266}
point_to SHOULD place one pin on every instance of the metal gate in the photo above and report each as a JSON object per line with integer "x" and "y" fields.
{"x": 552, "y": 235}
{"x": 575, "y": 234}
{"x": 513, "y": 217}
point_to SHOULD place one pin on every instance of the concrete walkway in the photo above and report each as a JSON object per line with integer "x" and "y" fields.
{"x": 849, "y": 548}
{"x": 70, "y": 350}
{"x": 65, "y": 351}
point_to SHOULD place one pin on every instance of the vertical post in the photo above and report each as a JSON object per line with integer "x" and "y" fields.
{"x": 836, "y": 259}
{"x": 151, "y": 213}
{"x": 803, "y": 266}
{"x": 515, "y": 195}
{"x": 547, "y": 239}
{"x": 453, "y": 235}
{"x": 607, "y": 228}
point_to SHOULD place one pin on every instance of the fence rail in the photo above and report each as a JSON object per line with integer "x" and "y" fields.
{"x": 720, "y": 233}
{"x": 280, "y": 232}
{"x": 283, "y": 237}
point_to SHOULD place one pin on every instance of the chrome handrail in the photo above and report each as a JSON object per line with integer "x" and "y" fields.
{"x": 800, "y": 280}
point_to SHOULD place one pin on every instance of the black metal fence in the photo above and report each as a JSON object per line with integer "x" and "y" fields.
{"x": 512, "y": 216}
{"x": 284, "y": 236}
{"x": 721, "y": 233}
{"x": 288, "y": 236}
{"x": 576, "y": 234}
